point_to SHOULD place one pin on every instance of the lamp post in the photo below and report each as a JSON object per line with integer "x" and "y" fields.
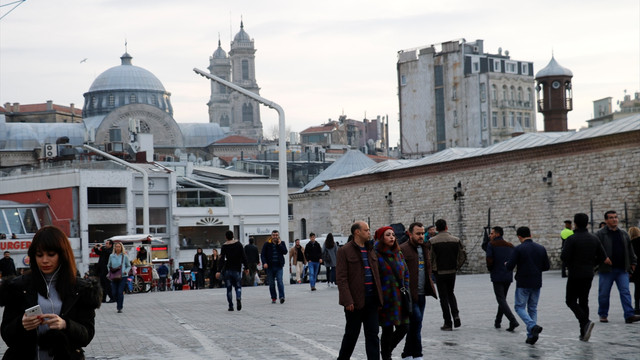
{"x": 282, "y": 149}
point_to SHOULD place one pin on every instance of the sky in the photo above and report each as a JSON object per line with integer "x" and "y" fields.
{"x": 318, "y": 60}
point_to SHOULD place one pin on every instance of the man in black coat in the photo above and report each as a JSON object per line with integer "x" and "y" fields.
{"x": 7, "y": 267}
{"x": 253, "y": 259}
{"x": 104, "y": 252}
{"x": 581, "y": 253}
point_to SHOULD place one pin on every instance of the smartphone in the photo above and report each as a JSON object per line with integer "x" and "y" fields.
{"x": 35, "y": 310}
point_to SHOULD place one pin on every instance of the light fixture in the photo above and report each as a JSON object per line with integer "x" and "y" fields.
{"x": 548, "y": 179}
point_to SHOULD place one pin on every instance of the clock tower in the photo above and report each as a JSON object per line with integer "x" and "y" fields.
{"x": 554, "y": 95}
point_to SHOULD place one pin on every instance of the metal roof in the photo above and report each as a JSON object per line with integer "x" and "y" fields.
{"x": 351, "y": 161}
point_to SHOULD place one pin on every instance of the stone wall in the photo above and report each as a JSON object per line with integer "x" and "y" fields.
{"x": 599, "y": 172}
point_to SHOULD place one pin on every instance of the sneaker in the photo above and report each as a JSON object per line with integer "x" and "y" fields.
{"x": 282, "y": 300}
{"x": 273, "y": 301}
{"x": 513, "y": 326}
{"x": 239, "y": 305}
{"x": 456, "y": 322}
{"x": 446, "y": 327}
{"x": 588, "y": 327}
{"x": 603, "y": 319}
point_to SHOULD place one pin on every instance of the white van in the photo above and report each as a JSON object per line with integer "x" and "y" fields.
{"x": 322, "y": 273}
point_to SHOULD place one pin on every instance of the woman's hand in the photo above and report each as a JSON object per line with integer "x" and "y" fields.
{"x": 31, "y": 322}
{"x": 54, "y": 321}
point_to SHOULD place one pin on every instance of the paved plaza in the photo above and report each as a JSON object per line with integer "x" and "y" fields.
{"x": 195, "y": 324}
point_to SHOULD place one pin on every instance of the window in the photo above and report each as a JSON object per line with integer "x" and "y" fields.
{"x": 527, "y": 120}
{"x": 505, "y": 97}
{"x": 512, "y": 119}
{"x": 132, "y": 99}
{"x": 513, "y": 93}
{"x": 245, "y": 69}
{"x": 115, "y": 135}
{"x": 454, "y": 92}
{"x": 525, "y": 69}
{"x": 494, "y": 92}
{"x": 520, "y": 95}
{"x": 224, "y": 120}
{"x": 519, "y": 118}
{"x": 483, "y": 92}
{"x": 247, "y": 112}
{"x": 106, "y": 197}
{"x": 455, "y": 118}
{"x": 403, "y": 80}
{"x": 484, "y": 119}
{"x": 475, "y": 65}
{"x": 504, "y": 119}
{"x": 112, "y": 100}
{"x": 494, "y": 119}
{"x": 496, "y": 65}
{"x": 157, "y": 221}
{"x": 529, "y": 98}
{"x": 511, "y": 67}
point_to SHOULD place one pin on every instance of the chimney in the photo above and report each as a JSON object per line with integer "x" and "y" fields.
{"x": 16, "y": 107}
{"x": 49, "y": 105}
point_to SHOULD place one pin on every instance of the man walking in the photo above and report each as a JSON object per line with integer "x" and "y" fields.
{"x": 416, "y": 255}
{"x": 531, "y": 260}
{"x": 199, "y": 264}
{"x": 620, "y": 261}
{"x": 104, "y": 252}
{"x": 7, "y": 266}
{"x": 253, "y": 258}
{"x": 581, "y": 253}
{"x": 297, "y": 259}
{"x": 273, "y": 261}
{"x": 498, "y": 252}
{"x": 564, "y": 234}
{"x": 313, "y": 254}
{"x": 447, "y": 256}
{"x": 360, "y": 292}
{"x": 232, "y": 259}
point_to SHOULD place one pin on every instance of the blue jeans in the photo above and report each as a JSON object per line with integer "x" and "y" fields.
{"x": 274, "y": 274}
{"x": 606, "y": 280}
{"x": 117, "y": 290}
{"x": 526, "y": 306}
{"x": 232, "y": 279}
{"x": 314, "y": 267}
{"x": 413, "y": 342}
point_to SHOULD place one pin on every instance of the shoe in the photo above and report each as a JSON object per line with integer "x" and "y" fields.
{"x": 588, "y": 327}
{"x": 273, "y": 301}
{"x": 282, "y": 300}
{"x": 313, "y": 289}
{"x": 230, "y": 308}
{"x": 119, "y": 311}
{"x": 496, "y": 325}
{"x": 446, "y": 327}
{"x": 239, "y": 305}
{"x": 535, "y": 331}
{"x": 513, "y": 326}
{"x": 632, "y": 319}
{"x": 456, "y": 322}
{"x": 531, "y": 340}
{"x": 603, "y": 319}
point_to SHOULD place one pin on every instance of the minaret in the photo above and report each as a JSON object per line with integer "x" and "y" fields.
{"x": 219, "y": 103}
{"x": 554, "y": 95}
{"x": 246, "y": 112}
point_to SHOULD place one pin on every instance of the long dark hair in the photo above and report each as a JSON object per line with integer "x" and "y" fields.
{"x": 329, "y": 243}
{"x": 51, "y": 238}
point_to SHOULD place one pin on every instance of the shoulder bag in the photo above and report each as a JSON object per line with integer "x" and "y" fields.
{"x": 116, "y": 273}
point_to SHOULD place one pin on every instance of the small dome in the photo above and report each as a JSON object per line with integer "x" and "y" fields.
{"x": 200, "y": 134}
{"x": 242, "y": 35}
{"x": 75, "y": 133}
{"x": 21, "y": 136}
{"x": 554, "y": 69}
{"x": 126, "y": 77}
{"x": 219, "y": 53}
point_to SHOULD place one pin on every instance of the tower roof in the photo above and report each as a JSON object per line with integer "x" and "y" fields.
{"x": 554, "y": 69}
{"x": 219, "y": 53}
{"x": 242, "y": 35}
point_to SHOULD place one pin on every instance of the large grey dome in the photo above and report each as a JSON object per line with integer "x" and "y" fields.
{"x": 126, "y": 76}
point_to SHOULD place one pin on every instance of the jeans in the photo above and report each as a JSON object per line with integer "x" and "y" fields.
{"x": 577, "y": 298}
{"x": 117, "y": 290}
{"x": 274, "y": 274}
{"x": 445, "y": 284}
{"x": 232, "y": 279}
{"x": 366, "y": 317}
{"x": 621, "y": 278}
{"x": 413, "y": 343}
{"x": 314, "y": 267}
{"x": 331, "y": 274}
{"x": 526, "y": 306}
{"x": 500, "y": 289}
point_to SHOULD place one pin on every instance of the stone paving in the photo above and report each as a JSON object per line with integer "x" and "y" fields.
{"x": 195, "y": 324}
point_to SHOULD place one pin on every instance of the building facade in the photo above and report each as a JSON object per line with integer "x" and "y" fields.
{"x": 455, "y": 95}
{"x": 235, "y": 112}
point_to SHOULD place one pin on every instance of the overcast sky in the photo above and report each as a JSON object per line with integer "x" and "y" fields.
{"x": 317, "y": 60}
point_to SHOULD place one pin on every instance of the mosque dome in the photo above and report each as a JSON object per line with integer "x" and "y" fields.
{"x": 553, "y": 69}
{"x": 126, "y": 76}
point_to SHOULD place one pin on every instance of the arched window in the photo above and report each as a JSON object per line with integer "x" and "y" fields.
{"x": 247, "y": 112}
{"x": 519, "y": 95}
{"x": 303, "y": 228}
{"x": 494, "y": 92}
{"x": 224, "y": 120}
{"x": 513, "y": 93}
{"x": 132, "y": 99}
{"x": 505, "y": 97}
{"x": 530, "y": 97}
{"x": 112, "y": 100}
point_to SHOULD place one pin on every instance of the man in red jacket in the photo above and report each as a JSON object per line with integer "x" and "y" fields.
{"x": 359, "y": 291}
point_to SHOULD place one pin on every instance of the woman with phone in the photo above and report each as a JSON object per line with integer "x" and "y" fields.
{"x": 61, "y": 305}
{"x": 118, "y": 267}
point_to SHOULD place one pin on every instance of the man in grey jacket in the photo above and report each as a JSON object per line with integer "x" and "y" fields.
{"x": 620, "y": 262}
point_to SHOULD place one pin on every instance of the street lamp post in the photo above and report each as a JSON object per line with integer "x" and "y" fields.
{"x": 282, "y": 148}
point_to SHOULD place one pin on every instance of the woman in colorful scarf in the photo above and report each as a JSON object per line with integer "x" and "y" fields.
{"x": 394, "y": 275}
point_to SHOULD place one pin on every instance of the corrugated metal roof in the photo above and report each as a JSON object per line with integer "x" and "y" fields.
{"x": 224, "y": 172}
{"x": 351, "y": 161}
{"x": 525, "y": 141}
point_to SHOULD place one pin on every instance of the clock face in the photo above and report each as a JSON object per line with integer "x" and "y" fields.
{"x": 555, "y": 84}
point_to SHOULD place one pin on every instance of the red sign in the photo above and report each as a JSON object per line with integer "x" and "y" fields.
{"x": 15, "y": 245}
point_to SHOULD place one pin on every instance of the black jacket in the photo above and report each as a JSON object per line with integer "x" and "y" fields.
{"x": 313, "y": 251}
{"x": 582, "y": 252}
{"x": 78, "y": 310}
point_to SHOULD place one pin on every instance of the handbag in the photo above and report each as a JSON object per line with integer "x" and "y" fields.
{"x": 116, "y": 273}
{"x": 405, "y": 294}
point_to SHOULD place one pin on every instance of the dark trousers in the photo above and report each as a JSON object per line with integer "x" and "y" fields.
{"x": 390, "y": 338}
{"x": 577, "y": 298}
{"x": 199, "y": 278}
{"x": 446, "y": 284}
{"x": 636, "y": 294}
{"x": 366, "y": 317}
{"x": 500, "y": 289}
{"x": 413, "y": 344}
{"x": 105, "y": 284}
